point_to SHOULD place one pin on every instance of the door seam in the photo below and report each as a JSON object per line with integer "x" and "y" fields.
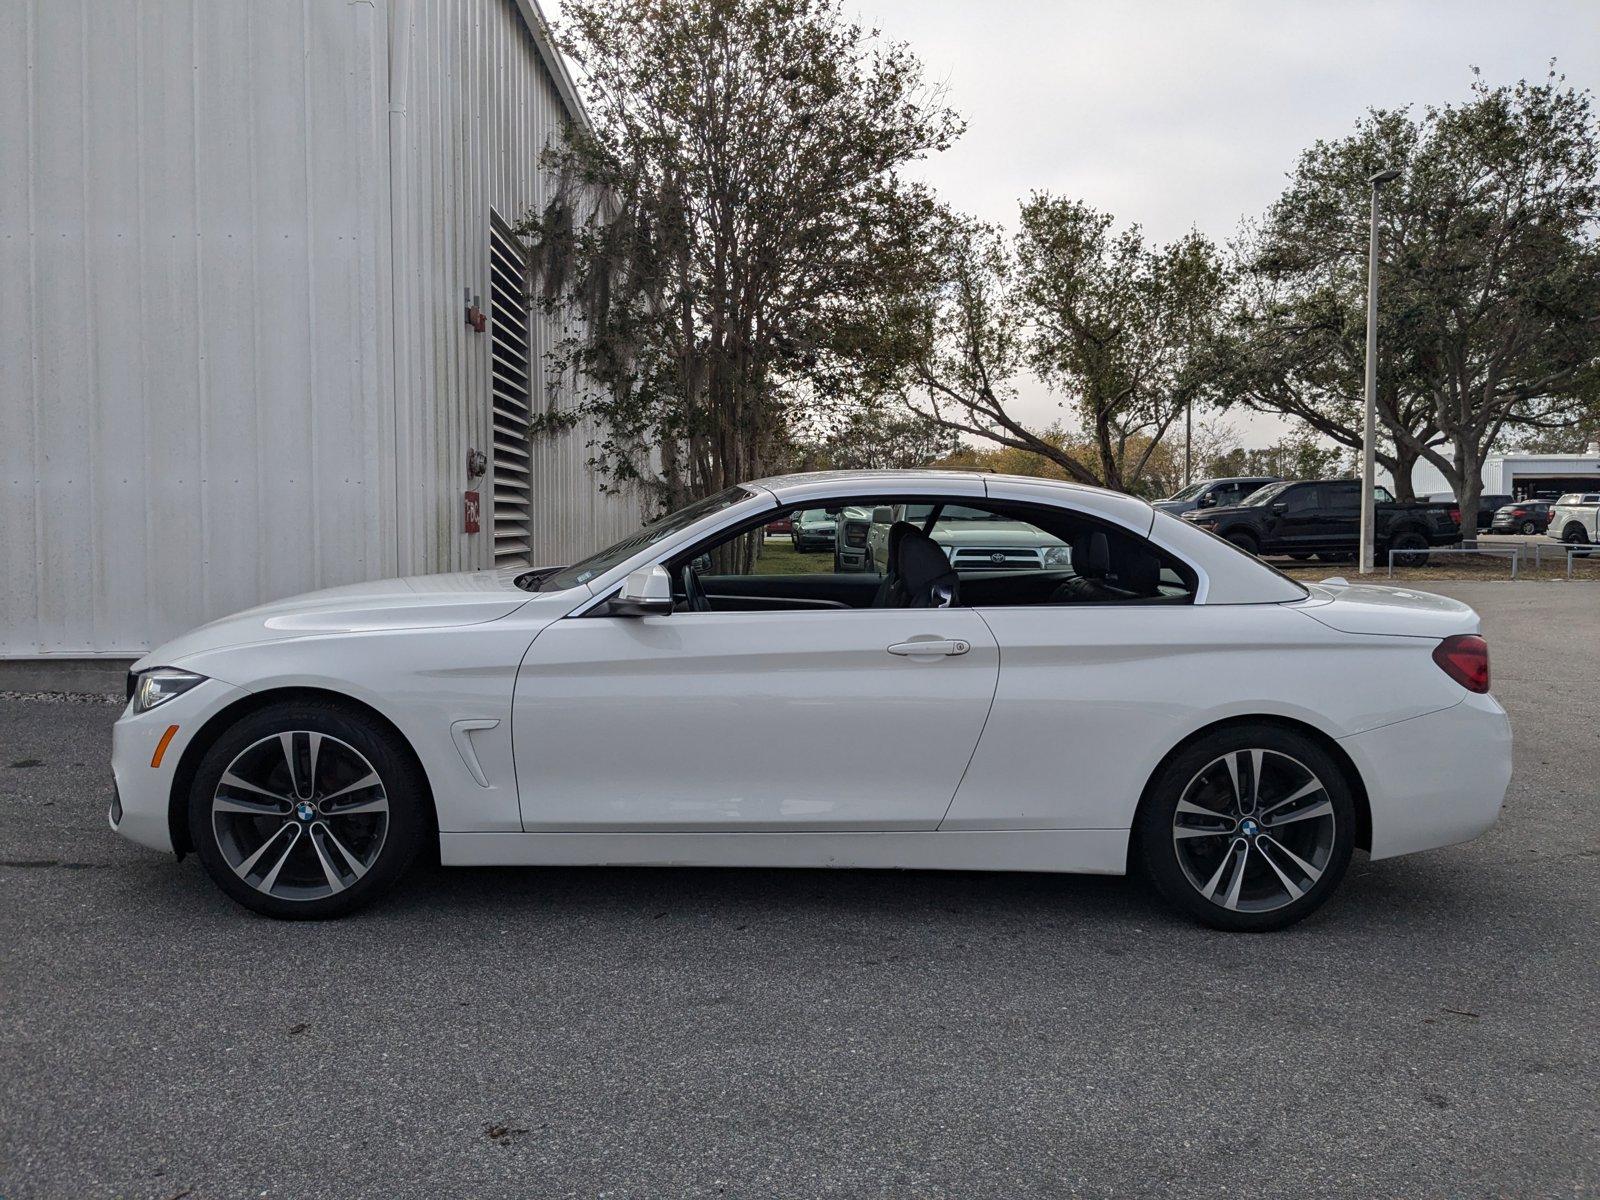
{"x": 999, "y": 664}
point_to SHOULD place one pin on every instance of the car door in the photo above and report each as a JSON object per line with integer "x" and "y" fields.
{"x": 1341, "y": 513}
{"x": 1298, "y": 520}
{"x": 729, "y": 721}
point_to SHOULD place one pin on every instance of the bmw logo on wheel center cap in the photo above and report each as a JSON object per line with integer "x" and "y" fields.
{"x": 305, "y": 810}
{"x": 1249, "y": 828}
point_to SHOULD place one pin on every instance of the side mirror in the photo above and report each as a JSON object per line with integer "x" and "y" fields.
{"x": 647, "y": 592}
{"x": 883, "y": 515}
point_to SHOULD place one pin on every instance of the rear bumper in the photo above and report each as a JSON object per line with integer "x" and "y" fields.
{"x": 1434, "y": 780}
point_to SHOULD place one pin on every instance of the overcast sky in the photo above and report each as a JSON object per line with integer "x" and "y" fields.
{"x": 1180, "y": 114}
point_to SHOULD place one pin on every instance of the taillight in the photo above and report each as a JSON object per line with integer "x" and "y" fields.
{"x": 1465, "y": 658}
{"x": 1519, "y": 512}
{"x": 1455, "y": 515}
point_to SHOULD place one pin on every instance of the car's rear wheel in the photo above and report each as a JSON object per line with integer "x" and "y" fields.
{"x": 1575, "y": 535}
{"x": 1529, "y": 527}
{"x": 1250, "y": 829}
{"x": 1415, "y": 548}
{"x": 1245, "y": 541}
{"x": 306, "y": 810}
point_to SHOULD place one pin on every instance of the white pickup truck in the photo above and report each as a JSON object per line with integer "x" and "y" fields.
{"x": 1574, "y": 518}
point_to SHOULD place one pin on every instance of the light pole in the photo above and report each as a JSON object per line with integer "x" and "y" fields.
{"x": 1369, "y": 437}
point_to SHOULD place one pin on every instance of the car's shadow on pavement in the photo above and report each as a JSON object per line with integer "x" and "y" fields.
{"x": 1418, "y": 891}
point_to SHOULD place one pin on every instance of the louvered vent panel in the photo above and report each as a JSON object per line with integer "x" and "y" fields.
{"x": 510, "y": 392}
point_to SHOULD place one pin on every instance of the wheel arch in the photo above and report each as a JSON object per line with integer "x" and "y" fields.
{"x": 1330, "y": 745}
{"x": 222, "y": 719}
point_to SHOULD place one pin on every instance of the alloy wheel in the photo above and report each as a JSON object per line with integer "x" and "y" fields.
{"x": 1254, "y": 830}
{"x": 300, "y": 815}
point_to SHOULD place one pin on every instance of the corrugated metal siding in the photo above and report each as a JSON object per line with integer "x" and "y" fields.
{"x": 198, "y": 334}
{"x": 193, "y": 235}
{"x": 482, "y": 108}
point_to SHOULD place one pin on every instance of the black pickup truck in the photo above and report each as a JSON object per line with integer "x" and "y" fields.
{"x": 1322, "y": 517}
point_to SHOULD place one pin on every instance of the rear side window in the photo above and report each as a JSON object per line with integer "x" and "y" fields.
{"x": 1343, "y": 496}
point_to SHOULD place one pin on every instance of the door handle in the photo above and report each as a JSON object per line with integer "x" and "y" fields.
{"x": 930, "y": 648}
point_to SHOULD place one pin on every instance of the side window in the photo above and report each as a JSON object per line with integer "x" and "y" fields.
{"x": 1301, "y": 499}
{"x": 1343, "y": 497}
{"x": 1382, "y": 495}
{"x": 838, "y": 557}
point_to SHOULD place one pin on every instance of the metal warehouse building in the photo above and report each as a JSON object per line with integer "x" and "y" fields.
{"x": 239, "y": 241}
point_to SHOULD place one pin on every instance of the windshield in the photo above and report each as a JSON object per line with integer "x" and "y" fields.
{"x": 599, "y": 564}
{"x": 1265, "y": 495}
{"x": 1190, "y": 492}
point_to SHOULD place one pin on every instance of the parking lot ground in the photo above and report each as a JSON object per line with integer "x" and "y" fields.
{"x": 1433, "y": 1032}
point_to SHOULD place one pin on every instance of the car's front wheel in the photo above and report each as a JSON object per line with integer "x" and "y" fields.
{"x": 1249, "y": 829}
{"x": 307, "y": 809}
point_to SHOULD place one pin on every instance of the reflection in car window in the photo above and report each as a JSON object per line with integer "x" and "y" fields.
{"x": 1266, "y": 495}
{"x": 599, "y": 564}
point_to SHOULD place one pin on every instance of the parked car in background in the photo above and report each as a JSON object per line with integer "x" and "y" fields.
{"x": 1524, "y": 516}
{"x": 1322, "y": 517}
{"x": 782, "y": 525}
{"x": 972, "y": 539}
{"x": 1488, "y": 504}
{"x": 1214, "y": 493}
{"x": 1574, "y": 517}
{"x": 813, "y": 529}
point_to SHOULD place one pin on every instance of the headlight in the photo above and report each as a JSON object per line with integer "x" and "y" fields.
{"x": 160, "y": 684}
{"x": 1057, "y": 556}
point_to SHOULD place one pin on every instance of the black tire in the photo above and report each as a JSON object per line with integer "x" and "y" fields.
{"x": 1301, "y": 556}
{"x": 401, "y": 786}
{"x": 1575, "y": 535}
{"x": 1529, "y": 528}
{"x": 1415, "y": 545}
{"x": 1335, "y": 558}
{"x": 1245, "y": 540}
{"x": 1193, "y": 770}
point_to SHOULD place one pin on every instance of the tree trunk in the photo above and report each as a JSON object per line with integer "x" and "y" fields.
{"x": 1469, "y": 487}
{"x": 1405, "y": 461}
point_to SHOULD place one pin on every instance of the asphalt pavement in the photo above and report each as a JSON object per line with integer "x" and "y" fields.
{"x": 1434, "y": 1031}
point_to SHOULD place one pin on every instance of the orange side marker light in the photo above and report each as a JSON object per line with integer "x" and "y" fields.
{"x": 161, "y": 746}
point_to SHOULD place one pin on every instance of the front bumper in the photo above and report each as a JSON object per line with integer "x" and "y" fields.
{"x": 1437, "y": 779}
{"x": 141, "y": 801}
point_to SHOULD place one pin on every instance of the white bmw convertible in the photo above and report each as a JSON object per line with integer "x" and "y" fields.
{"x": 1154, "y": 699}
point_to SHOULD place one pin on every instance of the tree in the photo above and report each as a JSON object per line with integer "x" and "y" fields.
{"x": 1498, "y": 271}
{"x": 1111, "y": 323}
{"x": 1297, "y": 457}
{"x": 725, "y": 229}
{"x": 1490, "y": 280}
{"x": 874, "y": 435}
{"x": 1295, "y": 342}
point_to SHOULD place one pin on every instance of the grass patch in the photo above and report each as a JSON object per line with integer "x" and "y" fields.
{"x": 779, "y": 557}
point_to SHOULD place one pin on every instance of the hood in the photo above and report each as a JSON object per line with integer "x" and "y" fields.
{"x": 973, "y": 533}
{"x": 416, "y": 602}
{"x": 1171, "y": 506}
{"x": 1377, "y": 609}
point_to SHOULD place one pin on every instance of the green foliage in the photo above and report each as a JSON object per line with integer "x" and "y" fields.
{"x": 1297, "y": 457}
{"x": 727, "y": 234}
{"x": 1489, "y": 280}
{"x": 1113, "y": 324}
